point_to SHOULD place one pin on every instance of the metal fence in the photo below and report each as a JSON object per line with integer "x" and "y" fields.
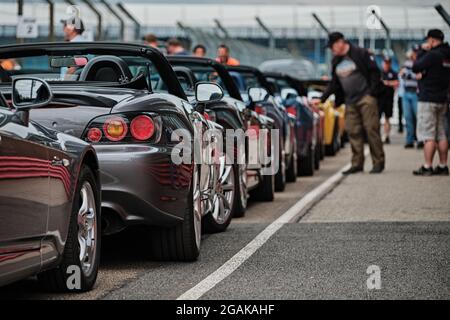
{"x": 247, "y": 52}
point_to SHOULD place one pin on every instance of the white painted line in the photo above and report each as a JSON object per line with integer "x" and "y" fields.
{"x": 291, "y": 215}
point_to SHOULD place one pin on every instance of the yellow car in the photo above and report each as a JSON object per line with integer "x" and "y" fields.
{"x": 342, "y": 134}
{"x": 333, "y": 127}
{"x": 334, "y": 134}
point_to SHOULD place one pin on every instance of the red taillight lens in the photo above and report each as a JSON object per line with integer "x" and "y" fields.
{"x": 142, "y": 128}
{"x": 260, "y": 109}
{"x": 115, "y": 128}
{"x": 94, "y": 135}
{"x": 292, "y": 110}
{"x": 125, "y": 128}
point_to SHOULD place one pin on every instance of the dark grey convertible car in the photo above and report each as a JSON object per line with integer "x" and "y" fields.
{"x": 127, "y": 102}
{"x": 231, "y": 113}
{"x": 49, "y": 197}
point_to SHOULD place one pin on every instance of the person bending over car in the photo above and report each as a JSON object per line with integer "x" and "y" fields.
{"x": 356, "y": 80}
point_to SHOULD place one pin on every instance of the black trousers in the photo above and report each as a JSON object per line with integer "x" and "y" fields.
{"x": 400, "y": 114}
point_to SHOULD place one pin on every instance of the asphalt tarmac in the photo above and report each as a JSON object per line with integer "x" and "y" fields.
{"x": 393, "y": 222}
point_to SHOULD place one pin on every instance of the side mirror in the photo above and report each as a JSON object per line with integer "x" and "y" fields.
{"x": 257, "y": 95}
{"x": 30, "y": 93}
{"x": 208, "y": 92}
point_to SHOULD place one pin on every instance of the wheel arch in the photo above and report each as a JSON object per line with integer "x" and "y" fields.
{"x": 90, "y": 159}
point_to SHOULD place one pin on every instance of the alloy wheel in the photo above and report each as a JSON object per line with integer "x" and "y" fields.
{"x": 243, "y": 185}
{"x": 197, "y": 206}
{"x": 223, "y": 197}
{"x": 87, "y": 228}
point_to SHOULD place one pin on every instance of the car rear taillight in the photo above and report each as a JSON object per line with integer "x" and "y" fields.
{"x": 142, "y": 127}
{"x": 210, "y": 115}
{"x": 124, "y": 128}
{"x": 94, "y": 135}
{"x": 292, "y": 110}
{"x": 260, "y": 109}
{"x": 115, "y": 129}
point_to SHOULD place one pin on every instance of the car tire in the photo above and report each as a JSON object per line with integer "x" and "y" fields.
{"x": 306, "y": 165}
{"x": 322, "y": 151}
{"x": 212, "y": 224}
{"x": 329, "y": 150}
{"x": 317, "y": 157}
{"x": 332, "y": 149}
{"x": 241, "y": 194}
{"x": 182, "y": 242}
{"x": 292, "y": 171}
{"x": 57, "y": 279}
{"x": 280, "y": 176}
{"x": 344, "y": 139}
{"x": 266, "y": 189}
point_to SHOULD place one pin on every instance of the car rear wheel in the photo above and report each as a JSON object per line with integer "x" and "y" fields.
{"x": 317, "y": 157}
{"x": 81, "y": 254}
{"x": 280, "y": 177}
{"x": 241, "y": 194}
{"x": 182, "y": 242}
{"x": 344, "y": 139}
{"x": 223, "y": 200}
{"x": 333, "y": 148}
{"x": 306, "y": 164}
{"x": 322, "y": 150}
{"x": 291, "y": 173}
{"x": 265, "y": 190}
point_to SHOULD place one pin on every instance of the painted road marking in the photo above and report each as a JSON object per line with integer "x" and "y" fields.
{"x": 291, "y": 215}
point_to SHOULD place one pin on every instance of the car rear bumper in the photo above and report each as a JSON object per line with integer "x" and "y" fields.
{"x": 141, "y": 184}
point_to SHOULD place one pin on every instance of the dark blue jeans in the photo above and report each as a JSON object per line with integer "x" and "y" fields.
{"x": 409, "y": 102}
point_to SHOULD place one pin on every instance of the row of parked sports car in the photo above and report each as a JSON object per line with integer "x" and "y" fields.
{"x": 87, "y": 142}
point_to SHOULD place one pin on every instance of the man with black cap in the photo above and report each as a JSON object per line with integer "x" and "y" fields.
{"x": 73, "y": 30}
{"x": 433, "y": 63}
{"x": 356, "y": 81}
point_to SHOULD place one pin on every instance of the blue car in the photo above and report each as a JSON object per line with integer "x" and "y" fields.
{"x": 247, "y": 77}
{"x": 306, "y": 121}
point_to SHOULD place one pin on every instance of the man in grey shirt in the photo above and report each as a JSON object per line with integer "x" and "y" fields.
{"x": 356, "y": 81}
{"x": 352, "y": 80}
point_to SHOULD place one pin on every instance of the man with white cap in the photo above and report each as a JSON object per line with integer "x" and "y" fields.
{"x": 73, "y": 30}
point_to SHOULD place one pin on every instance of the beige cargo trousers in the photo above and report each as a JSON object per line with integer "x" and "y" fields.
{"x": 359, "y": 116}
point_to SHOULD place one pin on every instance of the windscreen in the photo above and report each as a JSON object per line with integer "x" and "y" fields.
{"x": 204, "y": 74}
{"x": 245, "y": 80}
{"x": 69, "y": 68}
